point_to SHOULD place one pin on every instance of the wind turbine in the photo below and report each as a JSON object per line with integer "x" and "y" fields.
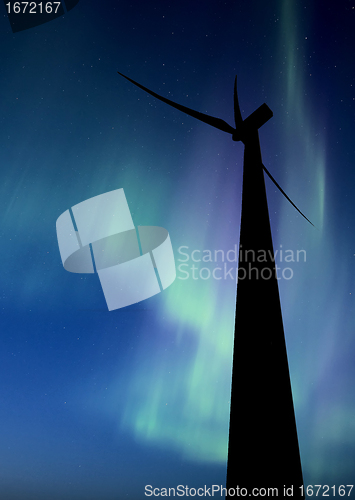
{"x": 263, "y": 449}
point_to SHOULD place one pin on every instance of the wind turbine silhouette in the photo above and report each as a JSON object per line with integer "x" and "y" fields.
{"x": 263, "y": 449}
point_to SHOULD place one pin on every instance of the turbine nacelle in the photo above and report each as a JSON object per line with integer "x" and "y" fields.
{"x": 243, "y": 128}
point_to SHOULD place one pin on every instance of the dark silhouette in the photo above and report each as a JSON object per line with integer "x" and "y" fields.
{"x": 263, "y": 449}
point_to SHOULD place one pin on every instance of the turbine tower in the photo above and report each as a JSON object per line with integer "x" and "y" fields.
{"x": 263, "y": 449}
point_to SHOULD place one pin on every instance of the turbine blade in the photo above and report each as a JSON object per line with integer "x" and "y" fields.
{"x": 237, "y": 114}
{"x": 283, "y": 192}
{"x": 210, "y": 120}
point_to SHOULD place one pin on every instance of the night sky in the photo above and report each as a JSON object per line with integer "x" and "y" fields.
{"x": 95, "y": 404}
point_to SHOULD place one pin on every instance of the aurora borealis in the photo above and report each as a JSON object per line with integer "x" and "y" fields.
{"x": 97, "y": 404}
